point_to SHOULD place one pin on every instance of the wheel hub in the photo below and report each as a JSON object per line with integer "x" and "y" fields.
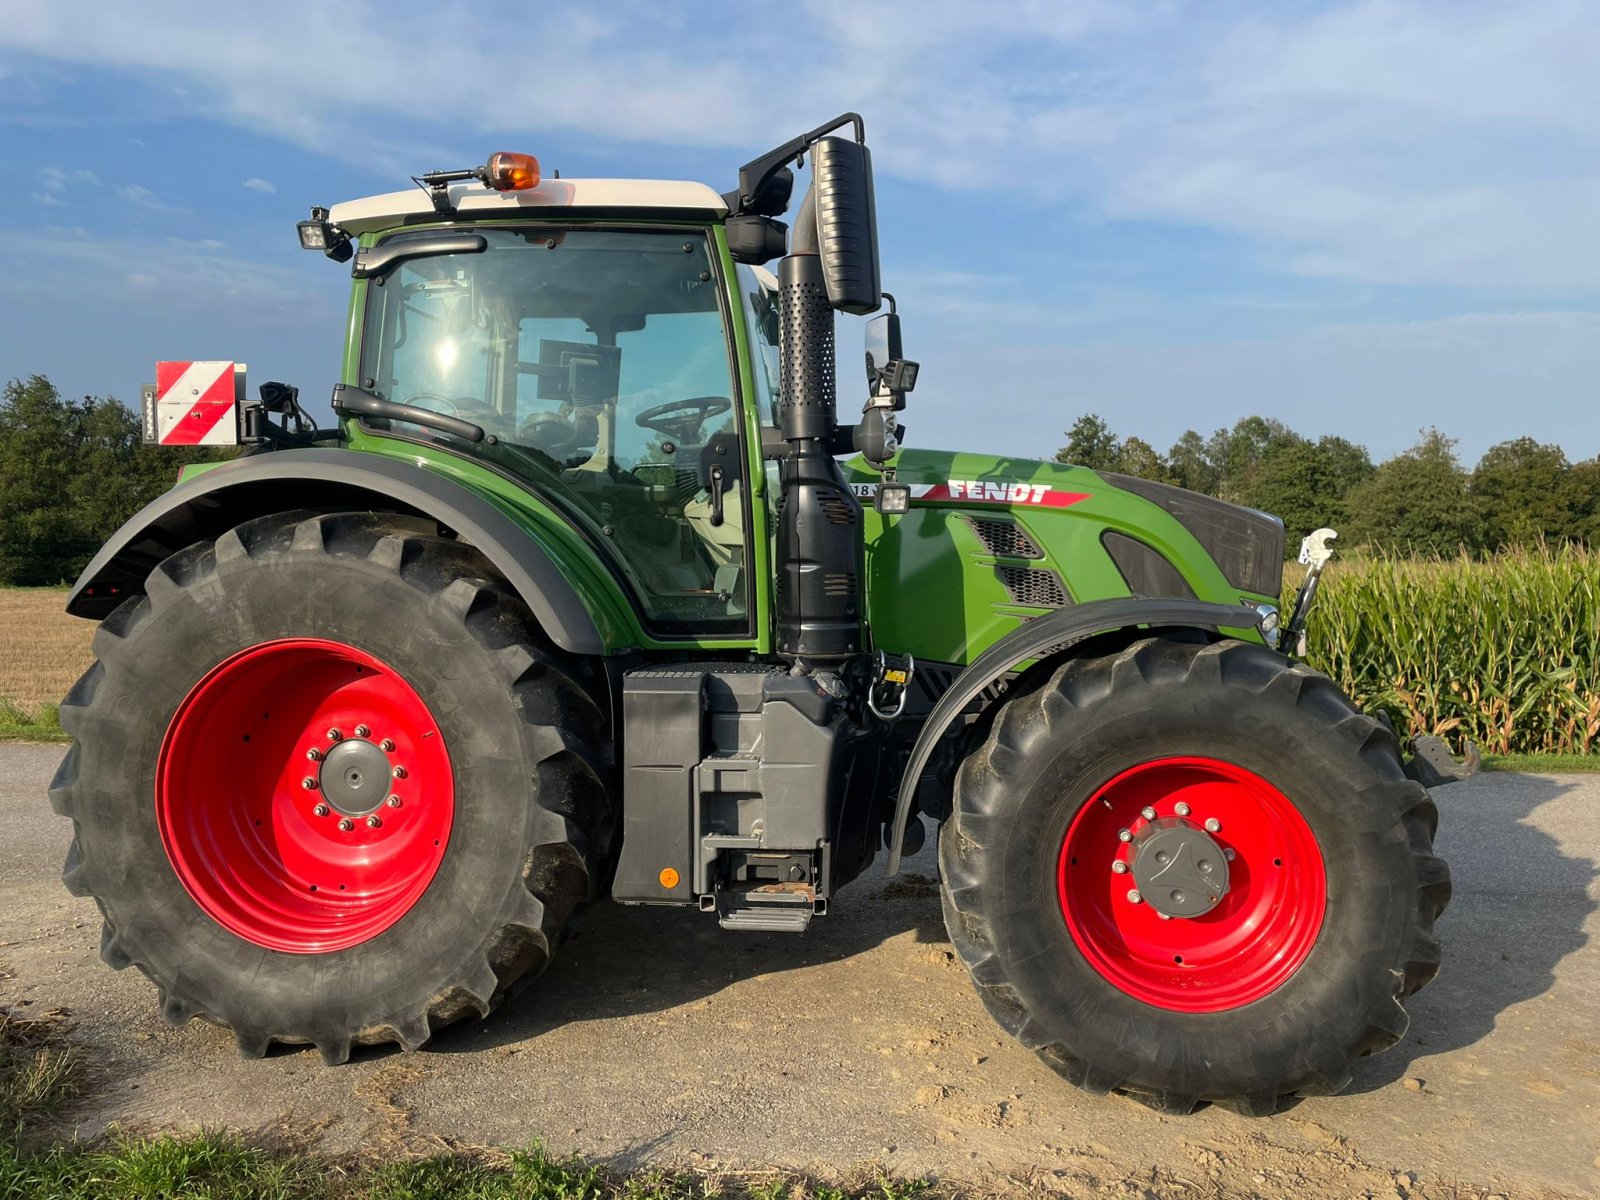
{"x": 1179, "y": 868}
{"x": 354, "y": 777}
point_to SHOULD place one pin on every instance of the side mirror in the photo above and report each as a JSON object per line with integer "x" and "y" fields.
{"x": 847, "y": 224}
{"x": 883, "y": 345}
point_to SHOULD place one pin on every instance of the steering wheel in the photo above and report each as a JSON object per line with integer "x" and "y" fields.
{"x": 681, "y": 419}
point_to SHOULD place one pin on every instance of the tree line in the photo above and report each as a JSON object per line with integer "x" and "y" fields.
{"x": 71, "y": 472}
{"x": 1421, "y": 501}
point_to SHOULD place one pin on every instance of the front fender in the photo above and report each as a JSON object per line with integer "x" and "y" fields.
{"x": 1043, "y": 638}
{"x": 329, "y": 480}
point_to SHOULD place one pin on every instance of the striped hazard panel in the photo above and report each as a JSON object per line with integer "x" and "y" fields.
{"x": 194, "y": 404}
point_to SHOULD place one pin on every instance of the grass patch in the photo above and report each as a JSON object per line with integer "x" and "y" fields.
{"x": 19, "y": 725}
{"x": 216, "y": 1166}
{"x": 40, "y": 1072}
{"x": 1543, "y": 764}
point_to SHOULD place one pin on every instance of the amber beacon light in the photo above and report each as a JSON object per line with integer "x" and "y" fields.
{"x": 509, "y": 172}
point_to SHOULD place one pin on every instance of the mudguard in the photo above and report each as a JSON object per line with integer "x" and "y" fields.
{"x": 1042, "y": 638}
{"x": 329, "y": 479}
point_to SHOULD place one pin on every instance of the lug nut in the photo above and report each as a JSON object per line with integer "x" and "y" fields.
{"x": 1134, "y": 897}
{"x": 320, "y": 810}
{"x": 346, "y": 824}
{"x": 309, "y": 783}
{"x": 1213, "y": 825}
{"x": 1163, "y": 916}
{"x": 1118, "y": 867}
{"x": 334, "y": 735}
{"x": 1148, "y": 813}
{"x": 1181, "y": 809}
{"x": 399, "y": 772}
{"x": 1230, "y": 854}
{"x": 387, "y": 745}
{"x": 314, "y": 754}
{"x": 1124, "y": 836}
{"x": 374, "y": 821}
{"x": 395, "y": 801}
{"x": 362, "y": 731}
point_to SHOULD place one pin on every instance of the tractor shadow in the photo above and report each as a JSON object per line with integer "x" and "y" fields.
{"x": 1519, "y": 908}
{"x": 628, "y": 961}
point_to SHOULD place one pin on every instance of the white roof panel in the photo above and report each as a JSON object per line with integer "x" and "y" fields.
{"x": 645, "y": 195}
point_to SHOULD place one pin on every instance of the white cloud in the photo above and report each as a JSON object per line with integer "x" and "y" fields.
{"x": 265, "y": 187}
{"x": 1439, "y": 142}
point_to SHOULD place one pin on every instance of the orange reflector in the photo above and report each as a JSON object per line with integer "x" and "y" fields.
{"x": 669, "y": 878}
{"x": 508, "y": 172}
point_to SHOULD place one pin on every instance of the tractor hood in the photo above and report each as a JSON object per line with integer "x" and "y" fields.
{"x": 1014, "y": 537}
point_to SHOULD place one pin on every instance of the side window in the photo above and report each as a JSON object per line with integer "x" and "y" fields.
{"x": 761, "y": 315}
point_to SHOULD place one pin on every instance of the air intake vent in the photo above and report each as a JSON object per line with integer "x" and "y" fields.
{"x": 1036, "y": 589}
{"x": 838, "y": 585}
{"x": 837, "y": 511}
{"x": 1006, "y": 539}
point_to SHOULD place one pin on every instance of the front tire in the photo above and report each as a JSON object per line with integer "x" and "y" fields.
{"x": 329, "y": 784}
{"x": 1306, "y": 909}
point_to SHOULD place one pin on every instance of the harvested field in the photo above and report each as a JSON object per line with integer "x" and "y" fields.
{"x": 42, "y": 650}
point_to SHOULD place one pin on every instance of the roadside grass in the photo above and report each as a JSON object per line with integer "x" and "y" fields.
{"x": 41, "y": 725}
{"x": 40, "y": 1071}
{"x": 1543, "y": 764}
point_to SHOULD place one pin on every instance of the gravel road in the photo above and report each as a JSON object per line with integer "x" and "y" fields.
{"x": 658, "y": 1038}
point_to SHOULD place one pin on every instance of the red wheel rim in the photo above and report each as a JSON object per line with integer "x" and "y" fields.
{"x": 304, "y": 795}
{"x": 1258, "y": 933}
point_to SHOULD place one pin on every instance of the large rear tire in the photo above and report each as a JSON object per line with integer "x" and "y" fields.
{"x": 1289, "y": 885}
{"x": 330, "y": 784}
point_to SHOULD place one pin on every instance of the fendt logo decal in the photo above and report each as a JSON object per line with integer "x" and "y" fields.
{"x": 984, "y": 491}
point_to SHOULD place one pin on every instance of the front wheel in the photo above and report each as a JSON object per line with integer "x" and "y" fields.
{"x": 1193, "y": 872}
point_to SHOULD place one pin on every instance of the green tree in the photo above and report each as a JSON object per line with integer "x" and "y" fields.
{"x": 1190, "y": 465}
{"x": 1418, "y": 502}
{"x": 71, "y": 472}
{"x": 39, "y": 532}
{"x": 1139, "y": 458}
{"x": 1308, "y": 483}
{"x": 1527, "y": 492}
{"x": 1090, "y": 443}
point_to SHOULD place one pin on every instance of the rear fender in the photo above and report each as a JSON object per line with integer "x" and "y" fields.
{"x": 329, "y": 480}
{"x": 1044, "y": 638}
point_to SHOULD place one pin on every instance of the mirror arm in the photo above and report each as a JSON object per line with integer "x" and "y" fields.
{"x": 755, "y": 172}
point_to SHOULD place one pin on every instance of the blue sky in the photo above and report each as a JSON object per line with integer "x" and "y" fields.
{"x": 1360, "y": 218}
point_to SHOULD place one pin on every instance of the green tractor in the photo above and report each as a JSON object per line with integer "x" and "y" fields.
{"x": 589, "y": 593}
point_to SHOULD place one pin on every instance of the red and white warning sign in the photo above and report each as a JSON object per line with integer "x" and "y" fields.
{"x": 194, "y": 404}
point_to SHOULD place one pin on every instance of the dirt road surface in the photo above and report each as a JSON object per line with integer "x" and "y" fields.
{"x": 657, "y": 1038}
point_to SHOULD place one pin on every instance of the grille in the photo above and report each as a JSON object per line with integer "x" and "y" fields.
{"x": 1036, "y": 589}
{"x": 838, "y": 585}
{"x": 1005, "y": 539}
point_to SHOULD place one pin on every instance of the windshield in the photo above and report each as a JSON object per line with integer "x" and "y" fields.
{"x": 598, "y": 360}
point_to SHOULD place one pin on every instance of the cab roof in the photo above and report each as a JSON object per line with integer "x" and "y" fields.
{"x": 664, "y": 197}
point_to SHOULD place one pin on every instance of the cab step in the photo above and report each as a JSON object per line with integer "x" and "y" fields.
{"x": 769, "y": 908}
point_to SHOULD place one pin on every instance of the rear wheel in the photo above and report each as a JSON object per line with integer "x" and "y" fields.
{"x": 330, "y": 784}
{"x": 1193, "y": 872}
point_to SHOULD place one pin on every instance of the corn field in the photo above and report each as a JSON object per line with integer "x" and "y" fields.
{"x": 1504, "y": 651}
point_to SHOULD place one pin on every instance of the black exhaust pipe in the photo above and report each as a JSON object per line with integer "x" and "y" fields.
{"x": 820, "y": 563}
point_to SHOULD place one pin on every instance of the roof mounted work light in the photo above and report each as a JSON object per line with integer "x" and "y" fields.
{"x": 321, "y": 234}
